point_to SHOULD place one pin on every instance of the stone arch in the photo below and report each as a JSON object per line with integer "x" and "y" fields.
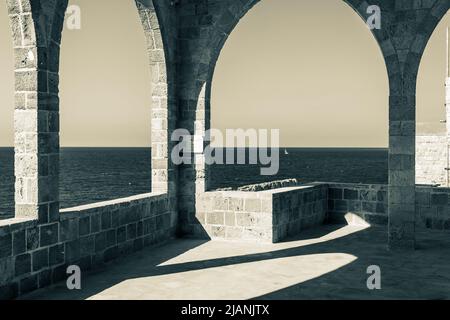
{"x": 36, "y": 29}
{"x": 409, "y": 42}
{"x": 433, "y": 137}
{"x": 161, "y": 55}
{"x": 405, "y": 28}
{"x": 222, "y": 31}
{"x": 225, "y": 20}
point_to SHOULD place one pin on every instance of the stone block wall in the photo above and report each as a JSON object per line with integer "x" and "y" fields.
{"x": 234, "y": 215}
{"x": 34, "y": 255}
{"x": 369, "y": 202}
{"x": 433, "y": 208}
{"x": 265, "y": 216}
{"x": 298, "y": 208}
{"x": 432, "y": 160}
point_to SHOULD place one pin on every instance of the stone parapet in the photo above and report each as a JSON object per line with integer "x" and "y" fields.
{"x": 264, "y": 216}
{"x": 34, "y": 255}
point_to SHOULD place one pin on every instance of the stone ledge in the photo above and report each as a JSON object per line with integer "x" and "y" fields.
{"x": 111, "y": 204}
{"x": 264, "y": 186}
{"x": 15, "y": 224}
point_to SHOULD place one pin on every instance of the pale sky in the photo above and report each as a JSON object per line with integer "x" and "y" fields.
{"x": 309, "y": 68}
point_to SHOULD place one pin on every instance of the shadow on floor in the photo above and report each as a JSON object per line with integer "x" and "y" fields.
{"x": 424, "y": 273}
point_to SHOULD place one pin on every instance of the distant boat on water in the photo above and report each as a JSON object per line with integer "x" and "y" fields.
{"x": 286, "y": 152}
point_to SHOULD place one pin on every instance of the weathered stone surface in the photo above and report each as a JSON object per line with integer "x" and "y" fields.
{"x": 264, "y": 216}
{"x": 184, "y": 40}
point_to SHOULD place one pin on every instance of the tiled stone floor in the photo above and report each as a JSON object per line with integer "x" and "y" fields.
{"x": 329, "y": 262}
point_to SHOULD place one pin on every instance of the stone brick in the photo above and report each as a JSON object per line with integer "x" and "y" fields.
{"x": 69, "y": 229}
{"x": 84, "y": 227}
{"x": 106, "y": 220}
{"x": 439, "y": 199}
{"x": 87, "y": 245}
{"x": 111, "y": 238}
{"x": 5, "y": 246}
{"x": 6, "y": 270}
{"x": 95, "y": 223}
{"x": 72, "y": 251}
{"x": 19, "y": 242}
{"x": 59, "y": 273}
{"x": 100, "y": 241}
{"x": 341, "y": 205}
{"x": 215, "y": 218}
{"x": 230, "y": 219}
{"x": 40, "y": 259}
{"x": 253, "y": 205}
{"x": 121, "y": 234}
{"x": 56, "y": 254}
{"x": 49, "y": 234}
{"x": 351, "y": 194}
{"x": 132, "y": 231}
{"x": 44, "y": 278}
{"x": 23, "y": 264}
{"x": 335, "y": 193}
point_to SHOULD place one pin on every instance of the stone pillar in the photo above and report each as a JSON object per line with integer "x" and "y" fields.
{"x": 162, "y": 65}
{"x": 36, "y": 31}
{"x": 402, "y": 141}
{"x": 159, "y": 22}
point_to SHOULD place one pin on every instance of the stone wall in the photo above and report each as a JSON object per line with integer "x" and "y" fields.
{"x": 233, "y": 215}
{"x": 34, "y": 255}
{"x": 204, "y": 26}
{"x": 264, "y": 216}
{"x": 368, "y": 202}
{"x": 298, "y": 208}
{"x": 273, "y": 215}
{"x": 433, "y": 208}
{"x": 432, "y": 160}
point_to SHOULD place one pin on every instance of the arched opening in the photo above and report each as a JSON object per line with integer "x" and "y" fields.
{"x": 105, "y": 104}
{"x": 432, "y": 160}
{"x": 6, "y": 116}
{"x": 433, "y": 132}
{"x": 322, "y": 82}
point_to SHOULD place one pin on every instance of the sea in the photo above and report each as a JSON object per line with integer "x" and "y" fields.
{"x": 89, "y": 175}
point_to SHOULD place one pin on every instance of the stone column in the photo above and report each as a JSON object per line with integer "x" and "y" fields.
{"x": 159, "y": 22}
{"x": 36, "y": 34}
{"x": 401, "y": 196}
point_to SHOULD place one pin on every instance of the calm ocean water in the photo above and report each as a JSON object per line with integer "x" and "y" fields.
{"x": 96, "y": 174}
